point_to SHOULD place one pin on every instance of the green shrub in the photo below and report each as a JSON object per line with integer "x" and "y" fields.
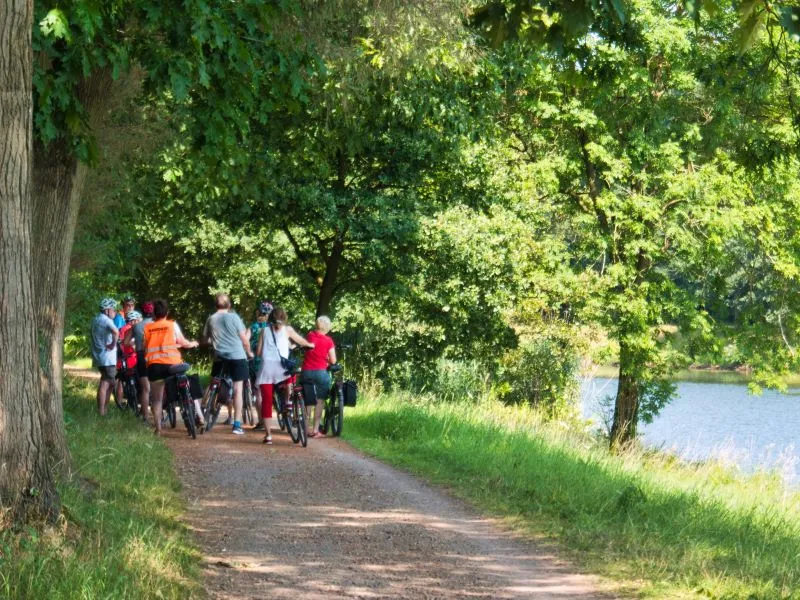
{"x": 542, "y": 372}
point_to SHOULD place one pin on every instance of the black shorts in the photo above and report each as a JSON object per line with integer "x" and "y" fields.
{"x": 251, "y": 370}
{"x": 158, "y": 372}
{"x": 216, "y": 368}
{"x": 108, "y": 373}
{"x": 236, "y": 369}
{"x": 141, "y": 365}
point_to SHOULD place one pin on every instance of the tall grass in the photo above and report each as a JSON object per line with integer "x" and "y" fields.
{"x": 658, "y": 527}
{"x": 120, "y": 535}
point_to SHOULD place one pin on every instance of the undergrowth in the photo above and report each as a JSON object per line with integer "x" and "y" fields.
{"x": 119, "y": 535}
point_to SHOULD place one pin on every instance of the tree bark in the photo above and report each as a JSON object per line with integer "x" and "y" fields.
{"x": 27, "y": 486}
{"x": 58, "y": 183}
{"x": 328, "y": 287}
{"x": 626, "y": 407}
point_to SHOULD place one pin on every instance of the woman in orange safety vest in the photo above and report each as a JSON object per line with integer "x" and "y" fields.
{"x": 162, "y": 342}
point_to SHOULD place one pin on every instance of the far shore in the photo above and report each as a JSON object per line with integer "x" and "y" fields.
{"x": 697, "y": 374}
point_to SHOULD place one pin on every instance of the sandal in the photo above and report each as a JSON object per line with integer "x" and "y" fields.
{"x": 312, "y": 434}
{"x": 267, "y": 440}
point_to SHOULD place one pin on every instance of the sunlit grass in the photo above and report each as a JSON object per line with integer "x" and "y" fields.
{"x": 120, "y": 535}
{"x": 84, "y": 362}
{"x": 658, "y": 527}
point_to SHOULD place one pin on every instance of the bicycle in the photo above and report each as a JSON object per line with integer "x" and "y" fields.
{"x": 333, "y": 414}
{"x": 295, "y": 414}
{"x": 184, "y": 399}
{"x": 276, "y": 408}
{"x": 248, "y": 403}
{"x": 219, "y": 391}
{"x": 130, "y": 385}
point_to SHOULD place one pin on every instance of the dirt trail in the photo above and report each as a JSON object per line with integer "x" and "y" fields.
{"x": 282, "y": 521}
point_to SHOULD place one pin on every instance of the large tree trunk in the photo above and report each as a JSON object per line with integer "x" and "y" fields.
{"x": 26, "y": 482}
{"x": 328, "y": 287}
{"x": 58, "y": 182}
{"x": 626, "y": 408}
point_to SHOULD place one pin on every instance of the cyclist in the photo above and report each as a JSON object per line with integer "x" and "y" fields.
{"x": 137, "y": 333}
{"x": 128, "y": 304}
{"x": 229, "y": 336}
{"x": 104, "y": 350}
{"x": 162, "y": 342}
{"x": 315, "y": 368}
{"x": 262, "y": 313}
{"x": 273, "y": 344}
{"x": 127, "y": 345}
{"x": 119, "y": 316}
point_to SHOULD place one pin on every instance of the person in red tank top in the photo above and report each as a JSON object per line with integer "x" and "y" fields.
{"x": 315, "y": 367}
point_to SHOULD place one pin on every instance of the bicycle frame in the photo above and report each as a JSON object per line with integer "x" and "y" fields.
{"x": 185, "y": 403}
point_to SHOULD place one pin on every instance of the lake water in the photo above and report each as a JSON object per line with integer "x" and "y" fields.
{"x": 719, "y": 420}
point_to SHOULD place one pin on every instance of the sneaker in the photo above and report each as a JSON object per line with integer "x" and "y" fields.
{"x": 237, "y": 431}
{"x": 259, "y": 427}
{"x": 227, "y": 421}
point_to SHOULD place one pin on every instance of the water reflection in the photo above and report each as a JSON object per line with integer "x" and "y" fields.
{"x": 718, "y": 420}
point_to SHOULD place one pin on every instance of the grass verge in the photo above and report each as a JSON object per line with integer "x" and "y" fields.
{"x": 120, "y": 535}
{"x": 655, "y": 526}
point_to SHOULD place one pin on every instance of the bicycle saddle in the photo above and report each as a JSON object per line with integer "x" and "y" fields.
{"x": 179, "y": 369}
{"x": 335, "y": 368}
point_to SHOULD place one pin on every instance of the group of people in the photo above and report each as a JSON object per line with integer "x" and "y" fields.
{"x": 150, "y": 342}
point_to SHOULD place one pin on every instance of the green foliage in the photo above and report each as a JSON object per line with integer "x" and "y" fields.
{"x": 542, "y": 371}
{"x": 654, "y": 526}
{"x": 442, "y": 200}
{"x": 107, "y": 545}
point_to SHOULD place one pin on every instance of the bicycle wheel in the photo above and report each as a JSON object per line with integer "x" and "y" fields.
{"x": 117, "y": 400}
{"x": 132, "y": 396}
{"x": 212, "y": 407}
{"x": 276, "y": 408}
{"x": 301, "y": 420}
{"x": 292, "y": 420}
{"x": 173, "y": 418}
{"x": 337, "y": 411}
{"x": 325, "y": 422}
{"x": 247, "y": 404}
{"x": 187, "y": 412}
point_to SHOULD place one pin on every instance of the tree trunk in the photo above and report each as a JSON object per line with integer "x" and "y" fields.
{"x": 58, "y": 182}
{"x": 27, "y": 487}
{"x": 328, "y": 287}
{"x": 626, "y": 408}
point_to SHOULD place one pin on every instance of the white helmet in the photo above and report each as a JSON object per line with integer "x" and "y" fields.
{"x": 107, "y": 303}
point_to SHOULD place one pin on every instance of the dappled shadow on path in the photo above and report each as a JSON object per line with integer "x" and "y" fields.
{"x": 324, "y": 522}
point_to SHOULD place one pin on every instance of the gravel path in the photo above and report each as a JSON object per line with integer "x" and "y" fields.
{"x": 327, "y": 522}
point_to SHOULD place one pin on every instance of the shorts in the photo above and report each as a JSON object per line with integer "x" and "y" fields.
{"x": 108, "y": 373}
{"x": 216, "y": 368}
{"x": 236, "y": 369}
{"x": 141, "y": 365}
{"x": 252, "y": 367}
{"x": 316, "y": 384}
{"x": 158, "y": 372}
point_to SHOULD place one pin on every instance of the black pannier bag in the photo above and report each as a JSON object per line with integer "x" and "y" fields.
{"x": 350, "y": 390}
{"x": 194, "y": 387}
